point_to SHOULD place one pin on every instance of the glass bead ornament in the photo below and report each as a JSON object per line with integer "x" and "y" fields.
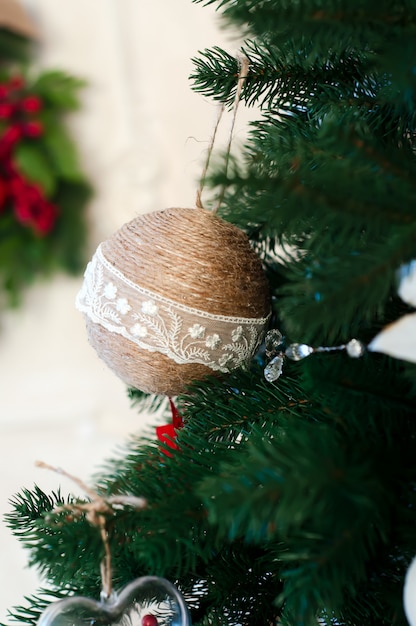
{"x": 273, "y": 370}
{"x": 297, "y": 351}
{"x": 147, "y": 601}
{"x": 273, "y": 341}
{"x": 149, "y": 620}
{"x": 355, "y": 348}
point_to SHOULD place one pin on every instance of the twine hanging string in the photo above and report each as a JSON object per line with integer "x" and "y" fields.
{"x": 96, "y": 512}
{"x": 198, "y": 201}
{"x": 241, "y": 78}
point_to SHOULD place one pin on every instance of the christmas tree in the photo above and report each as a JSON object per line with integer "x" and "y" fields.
{"x": 292, "y": 501}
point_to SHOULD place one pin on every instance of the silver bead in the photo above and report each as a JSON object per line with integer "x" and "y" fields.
{"x": 355, "y": 348}
{"x": 273, "y": 370}
{"x": 298, "y": 351}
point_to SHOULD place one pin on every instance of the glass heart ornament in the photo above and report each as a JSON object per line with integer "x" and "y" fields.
{"x": 149, "y": 600}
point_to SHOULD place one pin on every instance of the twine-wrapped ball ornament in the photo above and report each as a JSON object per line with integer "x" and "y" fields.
{"x": 172, "y": 296}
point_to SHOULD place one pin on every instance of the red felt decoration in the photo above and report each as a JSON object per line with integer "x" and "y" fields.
{"x": 167, "y": 433}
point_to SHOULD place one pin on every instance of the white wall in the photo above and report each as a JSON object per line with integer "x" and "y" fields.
{"x": 141, "y": 133}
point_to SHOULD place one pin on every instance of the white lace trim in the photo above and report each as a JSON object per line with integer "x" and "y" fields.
{"x": 158, "y": 324}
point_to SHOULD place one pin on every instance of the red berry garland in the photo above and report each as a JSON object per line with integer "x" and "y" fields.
{"x": 18, "y": 122}
{"x": 43, "y": 191}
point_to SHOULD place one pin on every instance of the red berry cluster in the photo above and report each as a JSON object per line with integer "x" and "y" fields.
{"x": 18, "y": 121}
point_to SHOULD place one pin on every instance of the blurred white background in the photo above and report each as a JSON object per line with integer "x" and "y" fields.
{"x": 142, "y": 135}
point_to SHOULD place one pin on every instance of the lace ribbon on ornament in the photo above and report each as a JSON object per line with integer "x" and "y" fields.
{"x": 158, "y": 324}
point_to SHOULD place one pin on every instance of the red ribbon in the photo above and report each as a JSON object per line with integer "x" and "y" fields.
{"x": 167, "y": 433}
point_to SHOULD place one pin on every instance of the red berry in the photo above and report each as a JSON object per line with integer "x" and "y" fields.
{"x": 16, "y": 82}
{"x": 6, "y": 110}
{"x": 9, "y": 167}
{"x": 10, "y": 136}
{"x": 4, "y": 91}
{"x": 17, "y": 187}
{"x": 22, "y": 211}
{"x": 43, "y": 217}
{"x": 35, "y": 193}
{"x": 31, "y": 104}
{"x": 149, "y": 620}
{"x": 32, "y": 129}
{"x": 3, "y": 193}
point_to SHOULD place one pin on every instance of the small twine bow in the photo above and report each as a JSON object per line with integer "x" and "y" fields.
{"x": 95, "y": 513}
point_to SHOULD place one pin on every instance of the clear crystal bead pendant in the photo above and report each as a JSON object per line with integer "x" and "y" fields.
{"x": 298, "y": 351}
{"x": 355, "y": 348}
{"x": 273, "y": 340}
{"x": 273, "y": 370}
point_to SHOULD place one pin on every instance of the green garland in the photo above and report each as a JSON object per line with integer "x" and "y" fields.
{"x": 43, "y": 191}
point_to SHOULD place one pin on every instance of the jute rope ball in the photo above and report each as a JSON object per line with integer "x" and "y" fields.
{"x": 172, "y": 296}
